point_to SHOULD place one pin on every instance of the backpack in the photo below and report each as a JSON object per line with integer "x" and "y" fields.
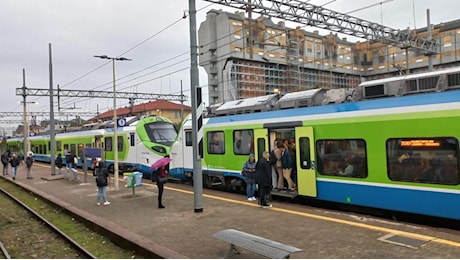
{"x": 101, "y": 180}
{"x": 4, "y": 158}
{"x": 29, "y": 161}
{"x": 272, "y": 157}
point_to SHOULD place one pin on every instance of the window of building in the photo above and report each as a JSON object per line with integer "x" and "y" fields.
{"x": 342, "y": 157}
{"x": 427, "y": 159}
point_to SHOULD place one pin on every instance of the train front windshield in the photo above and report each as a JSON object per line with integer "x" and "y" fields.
{"x": 161, "y": 132}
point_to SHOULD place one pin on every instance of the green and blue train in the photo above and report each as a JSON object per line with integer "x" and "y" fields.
{"x": 401, "y": 136}
{"x": 140, "y": 144}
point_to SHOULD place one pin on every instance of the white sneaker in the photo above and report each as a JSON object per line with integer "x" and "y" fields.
{"x": 106, "y": 203}
{"x": 253, "y": 198}
{"x": 98, "y": 203}
{"x": 250, "y": 199}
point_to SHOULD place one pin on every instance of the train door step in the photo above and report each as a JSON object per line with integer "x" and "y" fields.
{"x": 285, "y": 193}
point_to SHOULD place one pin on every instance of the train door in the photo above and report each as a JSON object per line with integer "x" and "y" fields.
{"x": 261, "y": 141}
{"x": 305, "y": 158}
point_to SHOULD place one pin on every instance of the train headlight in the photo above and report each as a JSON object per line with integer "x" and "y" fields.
{"x": 159, "y": 149}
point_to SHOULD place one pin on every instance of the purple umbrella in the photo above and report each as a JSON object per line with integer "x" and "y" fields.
{"x": 160, "y": 163}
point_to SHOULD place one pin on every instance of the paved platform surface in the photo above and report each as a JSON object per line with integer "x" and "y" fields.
{"x": 179, "y": 232}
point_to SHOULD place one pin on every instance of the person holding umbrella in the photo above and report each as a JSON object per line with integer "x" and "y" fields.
{"x": 160, "y": 171}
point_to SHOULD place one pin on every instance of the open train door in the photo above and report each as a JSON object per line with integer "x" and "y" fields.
{"x": 261, "y": 142}
{"x": 305, "y": 158}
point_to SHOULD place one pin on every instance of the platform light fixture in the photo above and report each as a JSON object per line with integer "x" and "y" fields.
{"x": 115, "y": 124}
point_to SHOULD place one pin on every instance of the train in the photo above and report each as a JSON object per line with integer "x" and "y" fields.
{"x": 400, "y": 134}
{"x": 141, "y": 143}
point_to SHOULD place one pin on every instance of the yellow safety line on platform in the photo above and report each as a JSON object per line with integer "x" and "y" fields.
{"x": 346, "y": 222}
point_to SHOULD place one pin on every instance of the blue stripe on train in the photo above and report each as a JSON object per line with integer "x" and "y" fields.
{"x": 398, "y": 198}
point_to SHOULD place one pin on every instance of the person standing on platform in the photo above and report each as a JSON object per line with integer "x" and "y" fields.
{"x": 102, "y": 181}
{"x": 264, "y": 180}
{"x": 58, "y": 162}
{"x": 14, "y": 164}
{"x": 29, "y": 162}
{"x": 249, "y": 173}
{"x": 5, "y": 162}
{"x": 162, "y": 178}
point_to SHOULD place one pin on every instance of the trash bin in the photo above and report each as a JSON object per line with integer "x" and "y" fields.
{"x": 133, "y": 179}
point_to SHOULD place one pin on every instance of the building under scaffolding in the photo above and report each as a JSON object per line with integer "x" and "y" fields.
{"x": 276, "y": 59}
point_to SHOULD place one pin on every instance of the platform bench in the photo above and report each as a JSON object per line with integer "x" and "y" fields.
{"x": 259, "y": 245}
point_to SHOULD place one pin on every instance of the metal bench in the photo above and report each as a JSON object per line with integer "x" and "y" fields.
{"x": 259, "y": 245}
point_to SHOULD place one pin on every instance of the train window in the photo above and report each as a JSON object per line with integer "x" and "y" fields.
{"x": 261, "y": 148}
{"x": 188, "y": 138}
{"x": 428, "y": 160}
{"x": 304, "y": 149}
{"x": 108, "y": 143}
{"x": 216, "y": 142}
{"x": 81, "y": 149}
{"x": 161, "y": 132}
{"x": 73, "y": 148}
{"x": 131, "y": 139}
{"x": 120, "y": 143}
{"x": 58, "y": 146}
{"x": 342, "y": 157}
{"x": 243, "y": 142}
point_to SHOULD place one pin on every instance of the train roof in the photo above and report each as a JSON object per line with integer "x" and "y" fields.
{"x": 451, "y": 97}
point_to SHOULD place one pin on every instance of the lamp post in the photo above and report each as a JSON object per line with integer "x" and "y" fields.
{"x": 115, "y": 125}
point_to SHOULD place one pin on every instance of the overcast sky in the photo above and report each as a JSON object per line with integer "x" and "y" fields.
{"x": 150, "y": 32}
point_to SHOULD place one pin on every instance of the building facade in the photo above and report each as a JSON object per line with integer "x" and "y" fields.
{"x": 254, "y": 57}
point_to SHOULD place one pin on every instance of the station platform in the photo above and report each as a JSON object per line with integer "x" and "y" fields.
{"x": 177, "y": 231}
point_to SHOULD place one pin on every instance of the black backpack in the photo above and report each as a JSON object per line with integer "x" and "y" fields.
{"x": 101, "y": 180}
{"x": 29, "y": 161}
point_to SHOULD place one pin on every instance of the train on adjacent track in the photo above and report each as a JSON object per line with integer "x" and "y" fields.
{"x": 140, "y": 144}
{"x": 401, "y": 136}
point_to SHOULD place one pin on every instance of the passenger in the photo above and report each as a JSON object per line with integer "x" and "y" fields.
{"x": 58, "y": 162}
{"x": 274, "y": 171}
{"x": 102, "y": 180}
{"x": 5, "y": 162}
{"x": 14, "y": 164}
{"x": 249, "y": 172}
{"x": 330, "y": 167}
{"x": 287, "y": 162}
{"x": 264, "y": 180}
{"x": 162, "y": 178}
{"x": 279, "y": 164}
{"x": 29, "y": 162}
{"x": 348, "y": 169}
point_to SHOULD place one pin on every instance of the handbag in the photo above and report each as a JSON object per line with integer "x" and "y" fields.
{"x": 162, "y": 179}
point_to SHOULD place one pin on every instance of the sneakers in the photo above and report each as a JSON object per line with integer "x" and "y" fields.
{"x": 106, "y": 203}
{"x": 252, "y": 199}
{"x": 98, "y": 203}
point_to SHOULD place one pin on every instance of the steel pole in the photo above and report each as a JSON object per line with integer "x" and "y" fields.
{"x": 115, "y": 129}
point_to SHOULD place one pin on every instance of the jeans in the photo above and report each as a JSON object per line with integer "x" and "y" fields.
{"x": 250, "y": 187}
{"x": 13, "y": 172}
{"x": 101, "y": 193}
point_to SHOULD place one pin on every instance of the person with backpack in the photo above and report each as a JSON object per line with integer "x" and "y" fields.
{"x": 14, "y": 164}
{"x": 102, "y": 175}
{"x": 5, "y": 161}
{"x": 29, "y": 162}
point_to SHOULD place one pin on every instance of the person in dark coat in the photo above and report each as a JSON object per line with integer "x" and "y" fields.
{"x": 162, "y": 178}
{"x": 59, "y": 164}
{"x": 102, "y": 180}
{"x": 14, "y": 164}
{"x": 264, "y": 179}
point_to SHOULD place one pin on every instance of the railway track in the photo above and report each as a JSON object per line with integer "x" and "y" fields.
{"x": 75, "y": 246}
{"x": 33, "y": 227}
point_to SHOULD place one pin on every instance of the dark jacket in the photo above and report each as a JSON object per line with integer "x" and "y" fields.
{"x": 101, "y": 175}
{"x": 264, "y": 173}
{"x": 15, "y": 162}
{"x": 59, "y": 161}
{"x": 286, "y": 160}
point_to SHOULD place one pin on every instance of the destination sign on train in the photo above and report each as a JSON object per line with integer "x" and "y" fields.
{"x": 420, "y": 143}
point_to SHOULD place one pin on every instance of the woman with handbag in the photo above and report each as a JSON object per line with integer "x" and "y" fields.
{"x": 162, "y": 178}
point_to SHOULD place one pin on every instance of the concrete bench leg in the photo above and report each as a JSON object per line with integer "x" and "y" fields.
{"x": 231, "y": 250}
